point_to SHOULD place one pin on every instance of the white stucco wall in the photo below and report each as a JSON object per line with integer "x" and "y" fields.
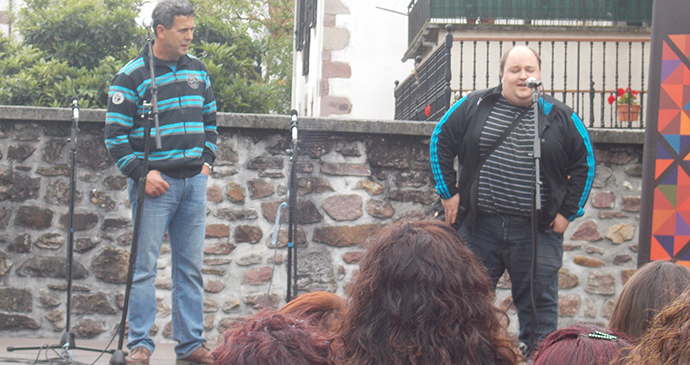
{"x": 378, "y": 40}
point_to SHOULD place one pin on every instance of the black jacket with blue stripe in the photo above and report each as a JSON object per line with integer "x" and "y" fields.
{"x": 567, "y": 159}
{"x": 187, "y": 117}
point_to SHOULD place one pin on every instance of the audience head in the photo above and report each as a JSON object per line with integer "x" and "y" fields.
{"x": 651, "y": 288}
{"x": 321, "y": 309}
{"x": 422, "y": 297}
{"x": 271, "y": 338}
{"x": 668, "y": 339}
{"x": 582, "y": 344}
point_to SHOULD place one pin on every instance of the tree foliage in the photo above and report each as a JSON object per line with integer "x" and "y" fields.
{"x": 74, "y": 48}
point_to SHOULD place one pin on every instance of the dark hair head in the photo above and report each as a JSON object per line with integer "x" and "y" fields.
{"x": 582, "y": 344}
{"x": 321, "y": 309}
{"x": 649, "y": 290}
{"x": 505, "y": 55}
{"x": 668, "y": 339}
{"x": 165, "y": 12}
{"x": 422, "y": 297}
{"x": 271, "y": 338}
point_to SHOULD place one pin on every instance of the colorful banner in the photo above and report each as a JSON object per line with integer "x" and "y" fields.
{"x": 665, "y": 208}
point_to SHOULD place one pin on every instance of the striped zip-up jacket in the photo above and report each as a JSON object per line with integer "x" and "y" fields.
{"x": 567, "y": 159}
{"x": 187, "y": 117}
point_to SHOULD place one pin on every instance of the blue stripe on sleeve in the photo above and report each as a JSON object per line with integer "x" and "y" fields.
{"x": 590, "y": 162}
{"x": 441, "y": 187}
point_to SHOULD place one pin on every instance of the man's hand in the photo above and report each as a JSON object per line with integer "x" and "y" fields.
{"x": 451, "y": 207}
{"x": 560, "y": 223}
{"x": 205, "y": 170}
{"x": 155, "y": 185}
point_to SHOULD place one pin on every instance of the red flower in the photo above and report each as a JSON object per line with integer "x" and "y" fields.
{"x": 611, "y": 99}
{"x": 427, "y": 110}
{"x": 621, "y": 92}
{"x": 634, "y": 92}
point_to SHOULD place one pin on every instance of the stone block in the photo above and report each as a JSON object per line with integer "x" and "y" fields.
{"x": 236, "y": 214}
{"x": 586, "y": 231}
{"x": 342, "y": 236}
{"x": 97, "y": 303}
{"x": 258, "y": 276}
{"x": 251, "y": 234}
{"x": 235, "y": 193}
{"x": 345, "y": 207}
{"x": 601, "y": 283}
{"x": 313, "y": 184}
{"x": 33, "y": 217}
{"x": 260, "y": 189}
{"x": 568, "y": 305}
{"x": 16, "y": 300}
{"x": 588, "y": 261}
{"x": 17, "y": 322}
{"x": 51, "y": 267}
{"x": 379, "y": 208}
{"x": 621, "y": 232}
{"x": 111, "y": 265}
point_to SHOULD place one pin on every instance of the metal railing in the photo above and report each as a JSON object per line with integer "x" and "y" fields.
{"x": 426, "y": 94}
{"x": 584, "y": 73}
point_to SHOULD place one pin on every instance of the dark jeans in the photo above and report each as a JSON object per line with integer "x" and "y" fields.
{"x": 504, "y": 242}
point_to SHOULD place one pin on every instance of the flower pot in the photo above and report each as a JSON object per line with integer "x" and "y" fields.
{"x": 628, "y": 113}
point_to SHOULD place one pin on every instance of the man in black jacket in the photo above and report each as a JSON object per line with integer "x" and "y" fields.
{"x": 175, "y": 200}
{"x": 498, "y": 198}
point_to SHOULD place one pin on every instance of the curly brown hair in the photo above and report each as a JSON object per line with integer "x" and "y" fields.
{"x": 422, "y": 297}
{"x": 668, "y": 339}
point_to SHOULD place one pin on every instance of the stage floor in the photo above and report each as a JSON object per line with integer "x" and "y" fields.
{"x": 164, "y": 354}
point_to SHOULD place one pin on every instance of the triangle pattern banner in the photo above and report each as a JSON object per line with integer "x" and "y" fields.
{"x": 671, "y": 217}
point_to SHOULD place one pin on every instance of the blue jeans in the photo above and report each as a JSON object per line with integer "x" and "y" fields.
{"x": 502, "y": 242}
{"x": 181, "y": 210}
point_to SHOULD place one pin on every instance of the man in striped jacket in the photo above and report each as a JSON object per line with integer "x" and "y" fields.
{"x": 175, "y": 189}
{"x": 498, "y": 194}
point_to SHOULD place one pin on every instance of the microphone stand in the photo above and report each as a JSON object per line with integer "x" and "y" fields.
{"x": 292, "y": 201}
{"x": 118, "y": 357}
{"x": 67, "y": 342}
{"x": 536, "y": 212}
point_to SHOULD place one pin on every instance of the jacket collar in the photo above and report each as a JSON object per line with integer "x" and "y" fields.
{"x": 182, "y": 61}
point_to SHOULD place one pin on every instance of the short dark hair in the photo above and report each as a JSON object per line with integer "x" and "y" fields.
{"x": 270, "y": 337}
{"x": 582, "y": 344}
{"x": 504, "y": 57}
{"x": 165, "y": 12}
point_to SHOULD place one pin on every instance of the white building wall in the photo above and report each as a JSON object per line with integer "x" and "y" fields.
{"x": 355, "y": 62}
{"x": 378, "y": 40}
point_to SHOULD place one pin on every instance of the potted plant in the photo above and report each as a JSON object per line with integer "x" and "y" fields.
{"x": 628, "y": 108}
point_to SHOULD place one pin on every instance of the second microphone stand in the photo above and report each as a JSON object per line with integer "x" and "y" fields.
{"x": 67, "y": 342}
{"x": 292, "y": 202}
{"x": 536, "y": 211}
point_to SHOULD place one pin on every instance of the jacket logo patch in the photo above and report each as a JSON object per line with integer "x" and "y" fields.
{"x": 193, "y": 82}
{"x": 118, "y": 98}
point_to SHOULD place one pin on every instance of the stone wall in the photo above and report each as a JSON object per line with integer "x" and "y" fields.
{"x": 353, "y": 177}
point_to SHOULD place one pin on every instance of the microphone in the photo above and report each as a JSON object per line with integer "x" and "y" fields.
{"x": 75, "y": 108}
{"x": 533, "y": 83}
{"x": 293, "y": 124}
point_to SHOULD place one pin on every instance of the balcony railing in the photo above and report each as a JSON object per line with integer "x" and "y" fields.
{"x": 426, "y": 94}
{"x": 581, "y": 72}
{"x": 535, "y": 12}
